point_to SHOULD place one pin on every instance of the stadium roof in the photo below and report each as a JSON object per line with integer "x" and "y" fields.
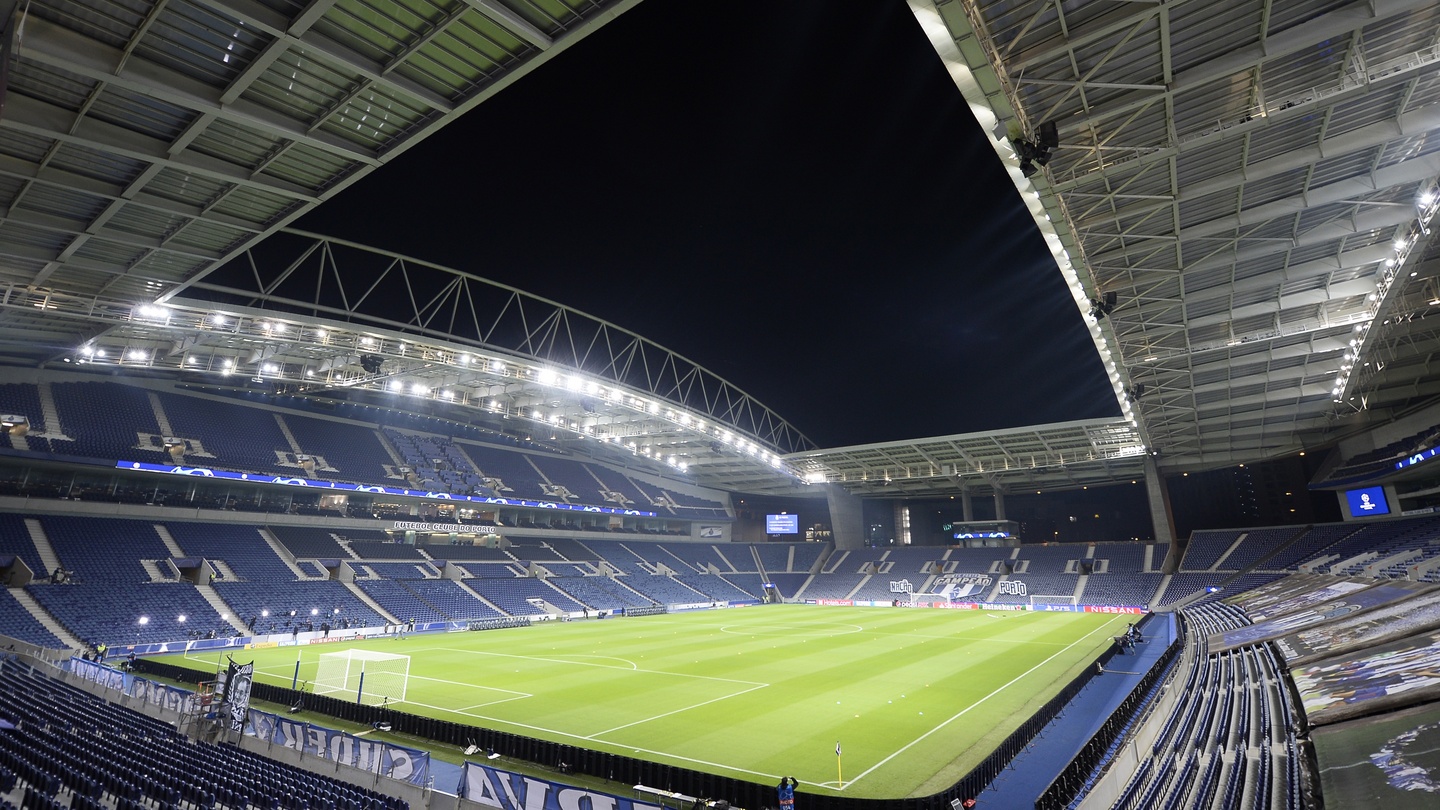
{"x": 1250, "y": 180}
{"x": 143, "y": 143}
{"x": 1251, "y": 183}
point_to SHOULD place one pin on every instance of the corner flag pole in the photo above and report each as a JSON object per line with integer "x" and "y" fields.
{"x": 839, "y": 771}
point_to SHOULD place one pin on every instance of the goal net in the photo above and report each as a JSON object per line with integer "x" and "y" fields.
{"x": 1055, "y": 599}
{"x": 367, "y": 676}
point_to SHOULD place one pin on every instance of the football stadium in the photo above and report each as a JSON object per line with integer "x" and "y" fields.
{"x": 291, "y": 522}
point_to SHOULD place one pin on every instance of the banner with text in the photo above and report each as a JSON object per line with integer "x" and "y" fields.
{"x": 512, "y": 791}
{"x": 376, "y": 756}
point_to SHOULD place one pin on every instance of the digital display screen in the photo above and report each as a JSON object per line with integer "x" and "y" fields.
{"x": 782, "y": 524}
{"x": 1367, "y": 502}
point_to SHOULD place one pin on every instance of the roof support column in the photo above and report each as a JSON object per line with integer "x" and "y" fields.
{"x": 967, "y": 506}
{"x": 999, "y": 504}
{"x": 847, "y": 517}
{"x": 1161, "y": 518}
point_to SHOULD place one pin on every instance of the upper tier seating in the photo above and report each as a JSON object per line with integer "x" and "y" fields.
{"x": 239, "y": 436}
{"x": 775, "y": 557}
{"x": 518, "y": 478}
{"x": 689, "y": 557}
{"x": 240, "y": 546}
{"x": 371, "y": 550}
{"x": 355, "y": 451}
{"x": 1206, "y": 548}
{"x": 1125, "y": 558}
{"x": 477, "y": 553}
{"x": 1309, "y": 545}
{"x": 1048, "y": 559}
{"x": 308, "y": 541}
{"x": 974, "y": 560}
{"x": 104, "y": 420}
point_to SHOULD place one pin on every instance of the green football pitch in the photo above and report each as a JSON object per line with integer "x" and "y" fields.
{"x": 915, "y": 698}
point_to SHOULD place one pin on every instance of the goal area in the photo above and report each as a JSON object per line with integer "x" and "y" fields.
{"x": 365, "y": 676}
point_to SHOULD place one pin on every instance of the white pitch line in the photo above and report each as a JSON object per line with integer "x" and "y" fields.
{"x": 965, "y": 710}
{"x": 471, "y": 685}
{"x": 602, "y": 666}
{"x": 679, "y": 710}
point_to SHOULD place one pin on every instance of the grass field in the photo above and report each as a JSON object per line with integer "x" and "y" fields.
{"x": 915, "y": 697}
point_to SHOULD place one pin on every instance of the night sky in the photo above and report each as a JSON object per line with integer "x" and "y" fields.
{"x": 789, "y": 192}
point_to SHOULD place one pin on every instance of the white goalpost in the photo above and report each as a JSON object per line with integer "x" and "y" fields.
{"x": 365, "y": 676}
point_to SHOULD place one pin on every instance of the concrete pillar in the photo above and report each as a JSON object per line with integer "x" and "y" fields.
{"x": 967, "y": 505}
{"x": 1161, "y": 518}
{"x": 847, "y": 517}
{"x": 999, "y": 505}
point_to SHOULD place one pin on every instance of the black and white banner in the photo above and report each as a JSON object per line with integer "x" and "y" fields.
{"x": 236, "y": 700}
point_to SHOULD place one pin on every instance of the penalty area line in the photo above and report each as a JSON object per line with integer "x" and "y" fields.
{"x": 967, "y": 709}
{"x": 679, "y": 710}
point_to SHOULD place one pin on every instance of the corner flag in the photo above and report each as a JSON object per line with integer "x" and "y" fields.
{"x": 839, "y": 772}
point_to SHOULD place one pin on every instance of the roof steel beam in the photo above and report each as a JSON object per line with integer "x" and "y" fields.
{"x": 1331, "y": 26}
{"x": 27, "y": 114}
{"x": 75, "y": 53}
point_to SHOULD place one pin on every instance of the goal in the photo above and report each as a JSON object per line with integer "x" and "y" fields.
{"x": 367, "y": 676}
{"x": 1052, "y": 599}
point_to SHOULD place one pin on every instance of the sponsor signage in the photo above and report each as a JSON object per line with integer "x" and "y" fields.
{"x": 1423, "y": 455}
{"x": 342, "y": 486}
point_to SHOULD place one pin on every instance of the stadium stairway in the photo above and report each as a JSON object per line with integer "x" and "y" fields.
{"x": 1030, "y": 773}
{"x": 42, "y": 546}
{"x": 46, "y": 619}
{"x": 169, "y": 540}
{"x": 285, "y": 554}
{"x": 225, "y": 611}
{"x": 371, "y": 603}
{"x": 157, "y": 573}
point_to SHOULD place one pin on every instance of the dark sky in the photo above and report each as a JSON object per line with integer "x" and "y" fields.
{"x": 789, "y": 192}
